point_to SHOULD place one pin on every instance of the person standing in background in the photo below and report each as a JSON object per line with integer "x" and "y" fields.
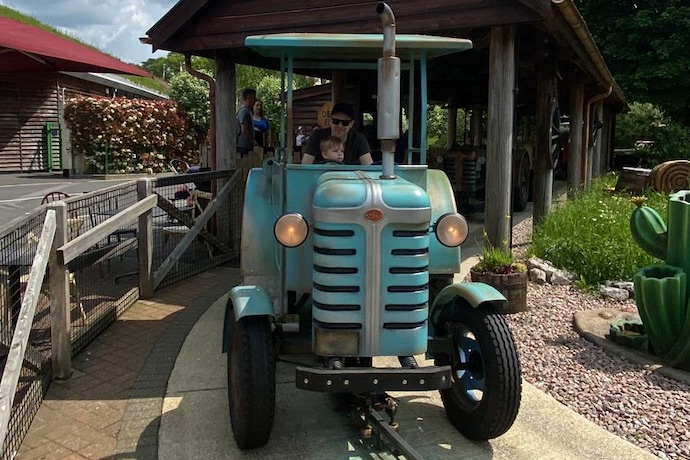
{"x": 261, "y": 125}
{"x": 245, "y": 125}
{"x": 300, "y": 139}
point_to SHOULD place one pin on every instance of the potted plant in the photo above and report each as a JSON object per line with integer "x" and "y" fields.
{"x": 498, "y": 268}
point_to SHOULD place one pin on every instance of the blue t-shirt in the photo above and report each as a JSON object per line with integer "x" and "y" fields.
{"x": 260, "y": 127}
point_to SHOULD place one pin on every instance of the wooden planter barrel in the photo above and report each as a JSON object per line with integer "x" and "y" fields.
{"x": 513, "y": 286}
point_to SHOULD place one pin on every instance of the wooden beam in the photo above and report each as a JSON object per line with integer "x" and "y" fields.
{"x": 226, "y": 110}
{"x": 230, "y": 33}
{"x": 194, "y": 231}
{"x": 499, "y": 146}
{"x": 145, "y": 242}
{"x": 60, "y": 323}
{"x": 547, "y": 97}
{"x": 20, "y": 338}
{"x": 69, "y": 251}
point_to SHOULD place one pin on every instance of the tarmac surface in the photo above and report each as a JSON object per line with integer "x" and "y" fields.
{"x": 153, "y": 385}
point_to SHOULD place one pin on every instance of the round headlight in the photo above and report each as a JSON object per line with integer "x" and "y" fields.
{"x": 451, "y": 229}
{"x": 291, "y": 230}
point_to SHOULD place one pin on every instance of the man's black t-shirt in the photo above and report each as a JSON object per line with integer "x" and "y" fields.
{"x": 356, "y": 145}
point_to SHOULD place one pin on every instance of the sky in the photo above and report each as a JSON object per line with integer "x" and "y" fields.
{"x": 113, "y": 26}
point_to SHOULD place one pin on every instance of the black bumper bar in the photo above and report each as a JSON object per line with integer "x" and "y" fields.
{"x": 373, "y": 380}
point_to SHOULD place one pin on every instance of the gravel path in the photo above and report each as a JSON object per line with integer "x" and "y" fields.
{"x": 625, "y": 398}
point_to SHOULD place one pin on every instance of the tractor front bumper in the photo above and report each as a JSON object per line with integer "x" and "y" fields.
{"x": 373, "y": 380}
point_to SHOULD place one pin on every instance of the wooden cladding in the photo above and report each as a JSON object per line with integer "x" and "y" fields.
{"x": 27, "y": 103}
{"x": 225, "y": 25}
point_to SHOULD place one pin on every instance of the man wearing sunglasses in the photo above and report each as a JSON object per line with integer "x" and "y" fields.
{"x": 357, "y": 150}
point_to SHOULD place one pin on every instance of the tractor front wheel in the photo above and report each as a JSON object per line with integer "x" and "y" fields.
{"x": 484, "y": 398}
{"x": 251, "y": 380}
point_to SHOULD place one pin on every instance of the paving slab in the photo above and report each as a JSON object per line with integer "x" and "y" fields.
{"x": 195, "y": 421}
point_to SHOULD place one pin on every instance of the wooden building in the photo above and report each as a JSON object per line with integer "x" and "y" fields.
{"x": 39, "y": 70}
{"x": 529, "y": 56}
{"x": 31, "y": 126}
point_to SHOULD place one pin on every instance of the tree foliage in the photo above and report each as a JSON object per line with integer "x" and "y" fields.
{"x": 192, "y": 94}
{"x": 645, "y": 44}
{"x": 664, "y": 138}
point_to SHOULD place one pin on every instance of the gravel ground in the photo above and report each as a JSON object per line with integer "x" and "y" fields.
{"x": 625, "y": 398}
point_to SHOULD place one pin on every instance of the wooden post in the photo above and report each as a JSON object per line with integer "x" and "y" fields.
{"x": 339, "y": 86}
{"x": 543, "y": 167}
{"x": 60, "y": 324}
{"x": 499, "y": 144}
{"x": 575, "y": 151}
{"x": 145, "y": 242}
{"x": 226, "y": 111}
{"x": 452, "y": 126}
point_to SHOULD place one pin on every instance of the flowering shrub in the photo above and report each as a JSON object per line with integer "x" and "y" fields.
{"x": 128, "y": 135}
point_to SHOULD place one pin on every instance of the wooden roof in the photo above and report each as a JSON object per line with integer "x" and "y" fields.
{"x": 205, "y": 27}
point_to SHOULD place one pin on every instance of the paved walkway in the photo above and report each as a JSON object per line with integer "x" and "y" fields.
{"x": 114, "y": 406}
{"x": 111, "y": 406}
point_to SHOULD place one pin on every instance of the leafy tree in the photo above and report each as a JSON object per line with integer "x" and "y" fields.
{"x": 640, "y": 123}
{"x": 172, "y": 64}
{"x": 666, "y": 139}
{"x": 645, "y": 44}
{"x": 192, "y": 94}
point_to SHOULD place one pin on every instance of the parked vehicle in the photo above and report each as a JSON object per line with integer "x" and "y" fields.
{"x": 350, "y": 263}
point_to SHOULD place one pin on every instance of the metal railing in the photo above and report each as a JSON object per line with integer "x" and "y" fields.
{"x": 110, "y": 247}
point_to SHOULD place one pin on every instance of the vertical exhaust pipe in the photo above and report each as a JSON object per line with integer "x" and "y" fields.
{"x": 388, "y": 129}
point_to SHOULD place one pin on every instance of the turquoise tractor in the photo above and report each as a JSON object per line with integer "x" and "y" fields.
{"x": 661, "y": 291}
{"x": 352, "y": 263}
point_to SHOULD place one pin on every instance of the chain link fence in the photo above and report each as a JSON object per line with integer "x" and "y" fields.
{"x": 196, "y": 226}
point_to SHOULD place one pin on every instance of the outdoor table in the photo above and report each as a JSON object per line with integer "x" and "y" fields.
{"x": 12, "y": 259}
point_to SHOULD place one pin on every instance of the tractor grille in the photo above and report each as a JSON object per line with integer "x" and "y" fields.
{"x": 373, "y": 283}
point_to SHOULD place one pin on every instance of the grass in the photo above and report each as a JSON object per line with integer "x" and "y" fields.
{"x": 150, "y": 83}
{"x": 590, "y": 235}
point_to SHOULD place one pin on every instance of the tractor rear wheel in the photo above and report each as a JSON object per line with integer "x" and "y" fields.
{"x": 484, "y": 398}
{"x": 251, "y": 380}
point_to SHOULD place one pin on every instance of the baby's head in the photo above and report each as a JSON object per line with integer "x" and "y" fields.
{"x": 332, "y": 149}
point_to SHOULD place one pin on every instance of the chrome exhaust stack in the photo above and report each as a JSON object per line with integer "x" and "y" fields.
{"x": 388, "y": 129}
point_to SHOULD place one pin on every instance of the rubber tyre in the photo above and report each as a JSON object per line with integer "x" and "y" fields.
{"x": 521, "y": 182}
{"x": 251, "y": 380}
{"x": 484, "y": 359}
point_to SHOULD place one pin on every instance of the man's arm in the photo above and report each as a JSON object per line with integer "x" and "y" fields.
{"x": 308, "y": 153}
{"x": 248, "y": 131}
{"x": 307, "y": 159}
{"x": 364, "y": 149}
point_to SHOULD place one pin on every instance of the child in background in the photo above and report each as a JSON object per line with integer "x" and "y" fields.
{"x": 332, "y": 149}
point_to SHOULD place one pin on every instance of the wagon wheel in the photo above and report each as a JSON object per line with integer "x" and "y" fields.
{"x": 251, "y": 380}
{"x": 521, "y": 182}
{"x": 484, "y": 398}
{"x": 555, "y": 134}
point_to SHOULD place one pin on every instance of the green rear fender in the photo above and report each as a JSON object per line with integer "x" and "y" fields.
{"x": 476, "y": 294}
{"x": 245, "y": 301}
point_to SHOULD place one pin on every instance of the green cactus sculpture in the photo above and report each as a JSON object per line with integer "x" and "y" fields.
{"x": 661, "y": 291}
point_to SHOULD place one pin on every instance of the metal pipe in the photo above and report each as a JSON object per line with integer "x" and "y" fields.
{"x": 585, "y": 145}
{"x": 388, "y": 19}
{"x": 212, "y": 99}
{"x": 577, "y": 23}
{"x": 388, "y": 126}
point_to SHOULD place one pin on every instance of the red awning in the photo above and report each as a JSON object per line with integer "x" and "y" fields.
{"x": 25, "y": 48}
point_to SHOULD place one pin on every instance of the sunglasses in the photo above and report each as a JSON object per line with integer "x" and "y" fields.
{"x": 339, "y": 121}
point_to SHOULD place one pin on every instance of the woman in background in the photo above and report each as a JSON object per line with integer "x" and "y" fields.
{"x": 261, "y": 125}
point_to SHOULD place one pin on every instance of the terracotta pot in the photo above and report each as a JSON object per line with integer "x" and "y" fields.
{"x": 513, "y": 286}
